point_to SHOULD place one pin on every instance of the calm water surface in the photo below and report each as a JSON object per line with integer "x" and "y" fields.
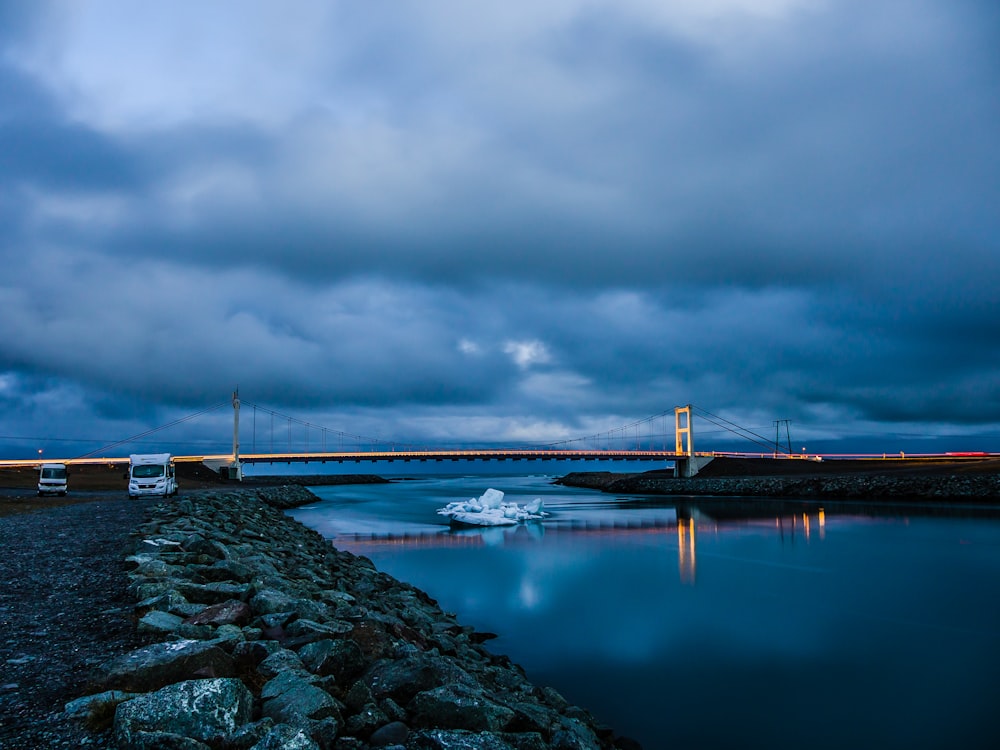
{"x": 682, "y": 628}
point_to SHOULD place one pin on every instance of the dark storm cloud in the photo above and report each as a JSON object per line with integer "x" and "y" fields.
{"x": 503, "y": 223}
{"x": 814, "y": 160}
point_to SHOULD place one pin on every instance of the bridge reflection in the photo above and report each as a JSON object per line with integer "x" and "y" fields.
{"x": 687, "y": 524}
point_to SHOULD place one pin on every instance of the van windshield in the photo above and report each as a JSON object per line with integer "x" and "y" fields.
{"x": 53, "y": 473}
{"x": 145, "y": 471}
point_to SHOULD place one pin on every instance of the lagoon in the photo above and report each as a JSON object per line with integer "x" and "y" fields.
{"x": 684, "y": 626}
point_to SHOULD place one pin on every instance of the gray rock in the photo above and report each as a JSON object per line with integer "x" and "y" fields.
{"x": 214, "y": 593}
{"x": 447, "y": 739}
{"x": 171, "y": 602}
{"x": 159, "y": 623}
{"x": 269, "y": 601}
{"x": 164, "y": 741}
{"x": 366, "y": 721}
{"x": 291, "y": 698}
{"x": 84, "y": 707}
{"x": 459, "y": 707}
{"x": 403, "y": 678}
{"x": 148, "y": 566}
{"x": 286, "y": 737}
{"x": 280, "y": 661}
{"x": 228, "y": 570}
{"x": 250, "y": 653}
{"x": 341, "y": 658}
{"x": 229, "y": 612}
{"x": 574, "y": 735}
{"x": 248, "y": 735}
{"x": 227, "y": 636}
{"x": 303, "y": 627}
{"x": 144, "y": 589}
{"x": 152, "y": 667}
{"x": 205, "y": 710}
{"x": 393, "y": 733}
{"x": 210, "y": 548}
{"x": 282, "y": 683}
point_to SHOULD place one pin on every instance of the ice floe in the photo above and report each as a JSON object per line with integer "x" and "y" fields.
{"x": 490, "y": 510}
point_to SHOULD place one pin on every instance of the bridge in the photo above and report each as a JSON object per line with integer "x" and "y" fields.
{"x": 648, "y": 439}
{"x": 230, "y": 465}
{"x": 686, "y": 462}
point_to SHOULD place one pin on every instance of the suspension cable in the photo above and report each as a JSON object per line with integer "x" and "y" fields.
{"x": 738, "y": 430}
{"x": 134, "y": 438}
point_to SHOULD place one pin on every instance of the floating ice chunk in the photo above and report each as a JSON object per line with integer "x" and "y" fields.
{"x": 491, "y": 498}
{"x": 490, "y": 510}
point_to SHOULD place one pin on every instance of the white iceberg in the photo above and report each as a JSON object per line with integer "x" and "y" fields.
{"x": 490, "y": 510}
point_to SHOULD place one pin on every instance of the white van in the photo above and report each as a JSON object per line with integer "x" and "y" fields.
{"x": 151, "y": 474}
{"x": 52, "y": 479}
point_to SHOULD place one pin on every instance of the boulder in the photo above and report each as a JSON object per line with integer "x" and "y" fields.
{"x": 159, "y": 623}
{"x": 459, "y": 707}
{"x": 448, "y": 739}
{"x": 286, "y": 737}
{"x": 213, "y": 593}
{"x": 341, "y": 658}
{"x": 393, "y": 733}
{"x": 291, "y": 698}
{"x": 280, "y": 661}
{"x": 164, "y": 741}
{"x": 204, "y": 710}
{"x": 88, "y": 705}
{"x": 152, "y": 667}
{"x": 229, "y": 612}
{"x": 401, "y": 679}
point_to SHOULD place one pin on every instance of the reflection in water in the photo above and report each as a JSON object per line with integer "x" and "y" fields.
{"x": 761, "y": 605}
{"x": 585, "y": 521}
{"x": 686, "y": 551}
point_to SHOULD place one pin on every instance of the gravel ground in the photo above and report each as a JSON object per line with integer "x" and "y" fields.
{"x": 63, "y": 610}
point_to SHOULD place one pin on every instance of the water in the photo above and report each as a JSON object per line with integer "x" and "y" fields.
{"x": 680, "y": 627}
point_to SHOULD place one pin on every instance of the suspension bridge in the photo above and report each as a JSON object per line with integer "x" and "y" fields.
{"x": 275, "y": 437}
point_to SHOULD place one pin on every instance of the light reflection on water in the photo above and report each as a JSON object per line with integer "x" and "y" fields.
{"x": 684, "y": 626}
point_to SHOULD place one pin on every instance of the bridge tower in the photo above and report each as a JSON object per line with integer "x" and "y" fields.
{"x": 687, "y": 464}
{"x": 683, "y": 431}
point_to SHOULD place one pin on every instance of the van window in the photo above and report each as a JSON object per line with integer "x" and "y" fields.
{"x": 53, "y": 473}
{"x": 144, "y": 471}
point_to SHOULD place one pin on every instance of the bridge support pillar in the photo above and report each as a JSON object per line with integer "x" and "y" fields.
{"x": 689, "y": 467}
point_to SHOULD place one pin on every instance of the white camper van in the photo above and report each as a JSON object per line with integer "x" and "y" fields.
{"x": 151, "y": 474}
{"x": 52, "y": 479}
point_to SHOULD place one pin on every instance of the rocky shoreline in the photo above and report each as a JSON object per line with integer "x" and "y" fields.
{"x": 947, "y": 488}
{"x": 263, "y": 635}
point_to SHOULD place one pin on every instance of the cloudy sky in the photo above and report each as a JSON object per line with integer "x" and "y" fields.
{"x": 448, "y": 222}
